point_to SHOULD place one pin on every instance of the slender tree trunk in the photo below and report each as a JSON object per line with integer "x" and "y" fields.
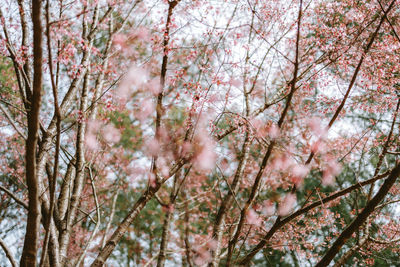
{"x": 65, "y": 190}
{"x": 29, "y": 252}
{"x": 110, "y": 218}
{"x": 164, "y": 238}
{"x": 80, "y": 175}
{"x": 187, "y": 231}
{"x": 226, "y": 203}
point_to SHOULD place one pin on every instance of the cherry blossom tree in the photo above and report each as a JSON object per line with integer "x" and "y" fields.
{"x": 199, "y": 133}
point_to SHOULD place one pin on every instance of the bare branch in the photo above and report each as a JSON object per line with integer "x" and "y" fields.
{"x": 8, "y": 253}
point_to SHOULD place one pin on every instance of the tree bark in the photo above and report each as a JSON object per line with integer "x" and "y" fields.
{"x": 29, "y": 252}
{"x": 80, "y": 175}
{"x": 164, "y": 238}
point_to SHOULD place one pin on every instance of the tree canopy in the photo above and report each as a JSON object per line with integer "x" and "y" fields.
{"x": 199, "y": 133}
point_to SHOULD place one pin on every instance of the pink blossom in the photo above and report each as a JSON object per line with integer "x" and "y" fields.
{"x": 235, "y": 82}
{"x": 315, "y": 124}
{"x": 318, "y": 146}
{"x": 153, "y": 147}
{"x": 332, "y": 169}
{"x": 259, "y": 126}
{"x": 153, "y": 86}
{"x": 91, "y": 142}
{"x": 273, "y": 131}
{"x": 120, "y": 40}
{"x": 186, "y": 149}
{"x": 253, "y": 218}
{"x": 152, "y": 180}
{"x": 141, "y": 33}
{"x": 162, "y": 166}
{"x": 287, "y": 204}
{"x": 145, "y": 109}
{"x": 268, "y": 208}
{"x": 282, "y": 163}
{"x": 206, "y": 158}
{"x": 212, "y": 244}
{"x": 111, "y": 134}
{"x": 163, "y": 135}
{"x": 135, "y": 77}
{"x": 203, "y": 256}
{"x": 93, "y": 126}
{"x": 299, "y": 172}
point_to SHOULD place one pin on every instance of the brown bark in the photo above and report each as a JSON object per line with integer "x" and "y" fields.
{"x": 350, "y": 253}
{"x": 79, "y": 178}
{"x": 25, "y": 43}
{"x": 29, "y": 252}
{"x": 52, "y": 178}
{"x": 13, "y": 196}
{"x": 164, "y": 238}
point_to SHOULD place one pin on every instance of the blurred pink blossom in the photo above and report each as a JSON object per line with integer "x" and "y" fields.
{"x": 135, "y": 77}
{"x": 315, "y": 125}
{"x": 253, "y": 218}
{"x": 162, "y": 166}
{"x": 268, "y": 208}
{"x": 203, "y": 256}
{"x": 111, "y": 134}
{"x": 146, "y": 108}
{"x": 282, "y": 163}
{"x": 119, "y": 40}
{"x": 141, "y": 33}
{"x": 273, "y": 131}
{"x": 235, "y": 82}
{"x": 207, "y": 157}
{"x": 186, "y": 149}
{"x": 153, "y": 86}
{"x": 153, "y": 147}
{"x": 318, "y": 146}
{"x": 212, "y": 244}
{"x": 331, "y": 170}
{"x": 299, "y": 172}
{"x": 287, "y": 204}
{"x": 91, "y": 142}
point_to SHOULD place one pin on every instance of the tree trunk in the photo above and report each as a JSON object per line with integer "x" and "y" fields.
{"x": 29, "y": 252}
